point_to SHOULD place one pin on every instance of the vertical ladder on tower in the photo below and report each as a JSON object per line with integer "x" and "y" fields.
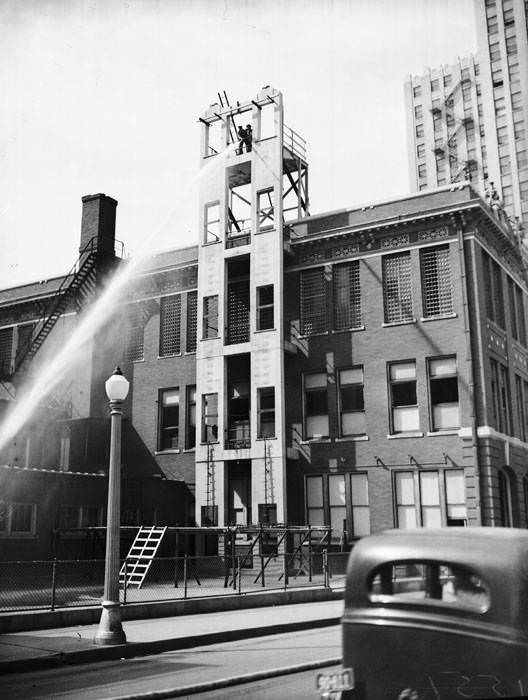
{"x": 140, "y": 556}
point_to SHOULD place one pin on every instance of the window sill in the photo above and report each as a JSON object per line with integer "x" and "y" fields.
{"x": 204, "y": 444}
{"x": 349, "y": 330}
{"x": 214, "y": 337}
{"x": 440, "y": 433}
{"x": 265, "y": 230}
{"x": 165, "y": 357}
{"x": 206, "y": 243}
{"x": 410, "y": 434}
{"x": 189, "y": 449}
{"x": 174, "y": 451}
{"x": 189, "y": 352}
{"x": 317, "y": 441}
{"x": 264, "y": 330}
{"x": 261, "y": 439}
{"x": 398, "y": 323}
{"x": 353, "y": 438}
{"x": 443, "y": 317}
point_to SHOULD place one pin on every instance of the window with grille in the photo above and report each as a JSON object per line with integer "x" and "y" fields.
{"x": 169, "y": 418}
{"x": 397, "y": 291}
{"x": 316, "y": 406}
{"x": 170, "y": 320}
{"x": 238, "y": 312}
{"x": 209, "y": 417}
{"x": 135, "y": 338}
{"x": 437, "y": 287}
{"x": 6, "y": 348}
{"x": 443, "y": 392}
{"x": 210, "y": 317}
{"x": 351, "y": 402}
{"x": 192, "y": 312}
{"x": 265, "y": 307}
{"x": 313, "y": 301}
{"x": 190, "y": 432}
{"x": 347, "y": 296}
{"x": 266, "y": 412}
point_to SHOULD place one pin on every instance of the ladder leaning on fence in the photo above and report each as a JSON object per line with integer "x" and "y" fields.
{"x": 140, "y": 556}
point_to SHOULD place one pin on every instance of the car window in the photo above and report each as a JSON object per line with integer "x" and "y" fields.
{"x": 415, "y": 581}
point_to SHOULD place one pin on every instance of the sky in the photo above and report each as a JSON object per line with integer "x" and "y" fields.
{"x": 105, "y": 95}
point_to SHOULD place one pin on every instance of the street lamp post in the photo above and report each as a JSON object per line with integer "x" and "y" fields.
{"x": 110, "y": 630}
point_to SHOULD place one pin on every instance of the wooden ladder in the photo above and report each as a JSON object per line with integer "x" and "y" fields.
{"x": 140, "y": 556}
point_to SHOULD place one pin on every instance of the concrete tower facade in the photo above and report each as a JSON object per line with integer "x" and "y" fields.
{"x": 250, "y": 186}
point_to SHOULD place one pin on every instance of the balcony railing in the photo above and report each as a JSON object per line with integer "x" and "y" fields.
{"x": 294, "y": 142}
{"x": 238, "y": 436}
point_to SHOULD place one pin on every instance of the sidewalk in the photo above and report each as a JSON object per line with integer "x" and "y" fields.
{"x": 25, "y": 651}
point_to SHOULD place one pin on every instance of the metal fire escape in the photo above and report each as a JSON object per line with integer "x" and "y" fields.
{"x": 77, "y": 287}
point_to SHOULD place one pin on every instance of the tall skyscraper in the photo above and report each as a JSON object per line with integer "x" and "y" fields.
{"x": 469, "y": 120}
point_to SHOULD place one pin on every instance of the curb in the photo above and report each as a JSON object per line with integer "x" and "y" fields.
{"x": 133, "y": 649}
{"x": 228, "y": 682}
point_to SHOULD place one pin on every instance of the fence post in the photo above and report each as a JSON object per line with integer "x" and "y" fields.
{"x": 125, "y": 582}
{"x": 239, "y": 575}
{"x": 176, "y": 571}
{"x": 185, "y": 576}
{"x": 53, "y": 582}
{"x": 261, "y": 549}
{"x": 310, "y": 553}
{"x": 285, "y": 569}
{"x": 233, "y": 564}
{"x": 325, "y": 568}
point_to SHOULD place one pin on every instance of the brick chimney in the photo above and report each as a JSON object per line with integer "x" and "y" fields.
{"x": 98, "y": 221}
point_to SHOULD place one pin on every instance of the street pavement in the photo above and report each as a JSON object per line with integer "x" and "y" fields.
{"x": 24, "y": 651}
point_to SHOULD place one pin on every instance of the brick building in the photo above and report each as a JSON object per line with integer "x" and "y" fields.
{"x": 362, "y": 369}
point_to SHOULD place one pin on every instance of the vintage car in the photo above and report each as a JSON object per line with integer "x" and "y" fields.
{"x": 435, "y": 614}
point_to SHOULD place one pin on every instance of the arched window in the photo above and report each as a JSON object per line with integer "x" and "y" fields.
{"x": 505, "y": 500}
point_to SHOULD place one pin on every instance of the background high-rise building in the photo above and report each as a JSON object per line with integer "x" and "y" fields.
{"x": 469, "y": 120}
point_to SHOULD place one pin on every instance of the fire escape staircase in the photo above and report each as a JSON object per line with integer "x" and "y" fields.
{"x": 78, "y": 286}
{"x": 140, "y": 556}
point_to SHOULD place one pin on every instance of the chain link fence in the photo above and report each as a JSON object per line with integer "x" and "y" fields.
{"x": 47, "y": 585}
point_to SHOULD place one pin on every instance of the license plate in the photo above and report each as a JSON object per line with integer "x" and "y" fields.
{"x": 335, "y": 682}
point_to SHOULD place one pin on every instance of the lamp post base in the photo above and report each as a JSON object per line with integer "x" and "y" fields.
{"x": 110, "y": 630}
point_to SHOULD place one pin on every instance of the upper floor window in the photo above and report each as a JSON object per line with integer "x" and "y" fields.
{"x": 493, "y": 290}
{"x": 347, "y": 295}
{"x": 316, "y": 406}
{"x": 265, "y": 209}
{"x": 443, "y": 392}
{"x": 212, "y": 222}
{"x": 418, "y": 111}
{"x": 505, "y": 518}
{"x": 209, "y": 417}
{"x": 437, "y": 288}
{"x": 404, "y": 402}
{"x": 210, "y": 317}
{"x": 168, "y": 420}
{"x": 192, "y": 312}
{"x": 397, "y": 291}
{"x": 351, "y": 402}
{"x": 417, "y": 91}
{"x": 170, "y": 318}
{"x": 265, "y": 307}
{"x": 500, "y": 396}
{"x": 190, "y": 433}
{"x": 435, "y": 85}
{"x": 266, "y": 411}
{"x": 313, "y": 301}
